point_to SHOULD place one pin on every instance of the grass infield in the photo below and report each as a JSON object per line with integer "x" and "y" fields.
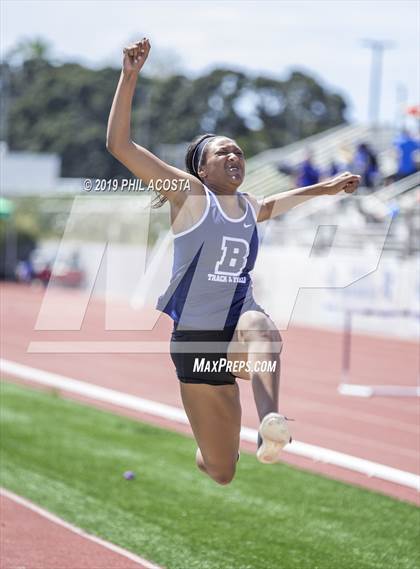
{"x": 70, "y": 459}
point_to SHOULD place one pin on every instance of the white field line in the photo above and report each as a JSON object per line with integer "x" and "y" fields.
{"x": 319, "y": 454}
{"x": 76, "y": 530}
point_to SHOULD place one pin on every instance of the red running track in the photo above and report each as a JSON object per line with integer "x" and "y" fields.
{"x": 28, "y": 540}
{"x": 384, "y": 430}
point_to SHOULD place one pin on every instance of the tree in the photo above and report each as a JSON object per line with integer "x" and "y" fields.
{"x": 63, "y": 108}
{"x": 29, "y": 49}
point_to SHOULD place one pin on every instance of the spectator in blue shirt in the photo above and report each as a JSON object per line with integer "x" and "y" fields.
{"x": 307, "y": 174}
{"x": 365, "y": 164}
{"x": 406, "y": 146}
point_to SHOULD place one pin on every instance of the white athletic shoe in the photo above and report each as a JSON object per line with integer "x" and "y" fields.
{"x": 275, "y": 436}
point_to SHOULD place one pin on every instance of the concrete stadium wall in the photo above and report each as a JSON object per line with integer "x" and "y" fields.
{"x": 291, "y": 285}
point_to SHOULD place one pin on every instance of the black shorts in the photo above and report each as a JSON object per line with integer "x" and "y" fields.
{"x": 199, "y": 355}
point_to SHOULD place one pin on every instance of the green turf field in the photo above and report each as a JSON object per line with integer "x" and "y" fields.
{"x": 70, "y": 459}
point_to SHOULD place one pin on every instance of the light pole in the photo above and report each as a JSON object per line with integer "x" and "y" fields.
{"x": 378, "y": 47}
{"x": 401, "y": 103}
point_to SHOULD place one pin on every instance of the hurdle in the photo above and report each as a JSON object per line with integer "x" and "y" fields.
{"x": 345, "y": 386}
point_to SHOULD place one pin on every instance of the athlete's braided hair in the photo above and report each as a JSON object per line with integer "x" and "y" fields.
{"x": 190, "y": 164}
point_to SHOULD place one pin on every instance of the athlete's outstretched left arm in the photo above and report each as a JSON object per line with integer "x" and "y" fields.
{"x": 275, "y": 205}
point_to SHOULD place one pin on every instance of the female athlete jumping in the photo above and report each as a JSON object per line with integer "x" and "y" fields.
{"x": 220, "y": 332}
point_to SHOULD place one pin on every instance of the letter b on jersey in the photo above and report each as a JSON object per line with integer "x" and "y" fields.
{"x": 235, "y": 252}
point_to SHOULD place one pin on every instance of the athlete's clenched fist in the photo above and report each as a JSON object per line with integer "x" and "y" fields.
{"x": 345, "y": 181}
{"x": 135, "y": 56}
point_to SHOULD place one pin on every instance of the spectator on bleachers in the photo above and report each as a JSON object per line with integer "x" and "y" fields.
{"x": 365, "y": 163}
{"x": 406, "y": 147}
{"x": 341, "y": 162}
{"x": 307, "y": 173}
{"x": 333, "y": 169}
{"x": 345, "y": 158}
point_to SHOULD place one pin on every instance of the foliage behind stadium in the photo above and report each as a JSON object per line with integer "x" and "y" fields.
{"x": 63, "y": 108}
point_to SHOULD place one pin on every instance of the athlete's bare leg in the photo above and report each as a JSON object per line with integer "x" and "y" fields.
{"x": 260, "y": 341}
{"x": 214, "y": 413}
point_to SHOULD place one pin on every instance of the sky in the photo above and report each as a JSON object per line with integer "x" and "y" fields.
{"x": 322, "y": 38}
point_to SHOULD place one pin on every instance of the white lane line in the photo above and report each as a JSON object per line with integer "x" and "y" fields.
{"x": 76, "y": 530}
{"x": 319, "y": 454}
{"x": 119, "y": 347}
{"x": 93, "y": 391}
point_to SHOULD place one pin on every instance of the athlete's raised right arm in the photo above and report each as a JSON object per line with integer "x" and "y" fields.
{"x": 139, "y": 160}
